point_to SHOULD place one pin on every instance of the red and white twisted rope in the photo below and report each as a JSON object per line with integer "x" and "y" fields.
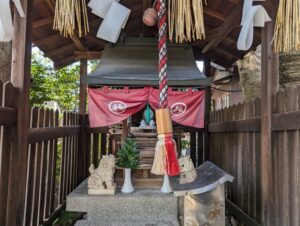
{"x": 163, "y": 59}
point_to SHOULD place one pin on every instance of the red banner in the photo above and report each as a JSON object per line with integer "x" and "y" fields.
{"x": 107, "y": 107}
{"x": 187, "y": 108}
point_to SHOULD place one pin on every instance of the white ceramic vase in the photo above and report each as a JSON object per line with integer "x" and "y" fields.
{"x": 127, "y": 186}
{"x": 166, "y": 187}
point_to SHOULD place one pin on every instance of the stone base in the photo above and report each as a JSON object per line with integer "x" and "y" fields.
{"x": 103, "y": 191}
{"x": 127, "y": 223}
{"x": 140, "y": 208}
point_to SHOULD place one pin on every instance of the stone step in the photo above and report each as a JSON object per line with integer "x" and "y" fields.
{"x": 140, "y": 205}
{"x": 127, "y": 223}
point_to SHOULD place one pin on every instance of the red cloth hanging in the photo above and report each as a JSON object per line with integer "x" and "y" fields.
{"x": 187, "y": 108}
{"x": 108, "y": 107}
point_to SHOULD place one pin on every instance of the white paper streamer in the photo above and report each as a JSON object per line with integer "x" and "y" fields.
{"x": 100, "y": 8}
{"x": 253, "y": 16}
{"x": 6, "y": 24}
{"x": 113, "y": 22}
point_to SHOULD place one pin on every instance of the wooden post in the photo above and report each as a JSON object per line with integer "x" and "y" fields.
{"x": 207, "y": 112}
{"x": 20, "y": 78}
{"x": 124, "y": 130}
{"x": 82, "y": 156}
{"x": 82, "y": 94}
{"x": 269, "y": 70}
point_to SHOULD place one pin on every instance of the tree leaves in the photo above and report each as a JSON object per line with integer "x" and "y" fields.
{"x": 61, "y": 86}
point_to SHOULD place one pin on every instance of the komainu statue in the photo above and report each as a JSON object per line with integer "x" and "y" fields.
{"x": 101, "y": 180}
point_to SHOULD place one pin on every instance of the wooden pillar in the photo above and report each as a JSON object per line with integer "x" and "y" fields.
{"x": 82, "y": 155}
{"x": 269, "y": 66}
{"x": 207, "y": 113}
{"x": 20, "y": 78}
{"x": 83, "y": 87}
{"x": 124, "y": 130}
{"x": 193, "y": 147}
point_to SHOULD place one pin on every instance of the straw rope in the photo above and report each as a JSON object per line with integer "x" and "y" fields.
{"x": 69, "y": 15}
{"x": 287, "y": 30}
{"x": 186, "y": 20}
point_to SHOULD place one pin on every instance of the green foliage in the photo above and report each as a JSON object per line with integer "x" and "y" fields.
{"x": 61, "y": 86}
{"x": 186, "y": 144}
{"x": 93, "y": 64}
{"x": 65, "y": 218}
{"x": 128, "y": 156}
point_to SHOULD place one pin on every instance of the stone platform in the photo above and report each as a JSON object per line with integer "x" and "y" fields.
{"x": 140, "y": 208}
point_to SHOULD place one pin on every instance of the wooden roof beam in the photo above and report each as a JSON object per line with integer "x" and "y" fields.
{"x": 93, "y": 38}
{"x": 235, "y": 1}
{"x": 88, "y": 55}
{"x": 59, "y": 50}
{"x": 47, "y": 39}
{"x": 215, "y": 14}
{"x": 43, "y": 22}
{"x": 226, "y": 28}
{"x": 64, "y": 62}
{"x": 78, "y": 43}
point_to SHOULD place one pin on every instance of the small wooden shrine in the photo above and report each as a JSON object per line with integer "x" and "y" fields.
{"x": 132, "y": 64}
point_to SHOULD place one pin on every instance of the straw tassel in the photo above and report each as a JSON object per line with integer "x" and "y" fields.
{"x": 287, "y": 30}
{"x": 186, "y": 20}
{"x": 69, "y": 15}
{"x": 165, "y": 159}
{"x": 159, "y": 165}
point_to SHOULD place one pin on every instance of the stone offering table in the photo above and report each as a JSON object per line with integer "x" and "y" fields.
{"x": 140, "y": 208}
{"x": 201, "y": 202}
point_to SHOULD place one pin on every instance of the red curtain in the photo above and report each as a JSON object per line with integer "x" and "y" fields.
{"x": 187, "y": 108}
{"x": 107, "y": 107}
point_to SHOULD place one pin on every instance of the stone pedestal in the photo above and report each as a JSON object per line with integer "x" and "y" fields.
{"x": 140, "y": 208}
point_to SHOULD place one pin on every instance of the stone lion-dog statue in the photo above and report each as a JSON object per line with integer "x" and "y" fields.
{"x": 101, "y": 180}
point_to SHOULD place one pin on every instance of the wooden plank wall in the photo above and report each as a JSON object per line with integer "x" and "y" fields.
{"x": 235, "y": 147}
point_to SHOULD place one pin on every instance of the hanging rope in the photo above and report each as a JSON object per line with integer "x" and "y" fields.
{"x": 165, "y": 159}
{"x": 162, "y": 48}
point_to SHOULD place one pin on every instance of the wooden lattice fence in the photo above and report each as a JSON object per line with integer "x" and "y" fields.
{"x": 60, "y": 150}
{"x": 235, "y": 146}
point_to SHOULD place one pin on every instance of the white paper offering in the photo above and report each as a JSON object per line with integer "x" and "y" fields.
{"x": 114, "y": 21}
{"x": 101, "y": 7}
{"x": 253, "y": 16}
{"x": 6, "y": 24}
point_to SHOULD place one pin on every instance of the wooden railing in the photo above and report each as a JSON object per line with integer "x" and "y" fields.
{"x": 8, "y": 122}
{"x": 235, "y": 146}
{"x": 60, "y": 150}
